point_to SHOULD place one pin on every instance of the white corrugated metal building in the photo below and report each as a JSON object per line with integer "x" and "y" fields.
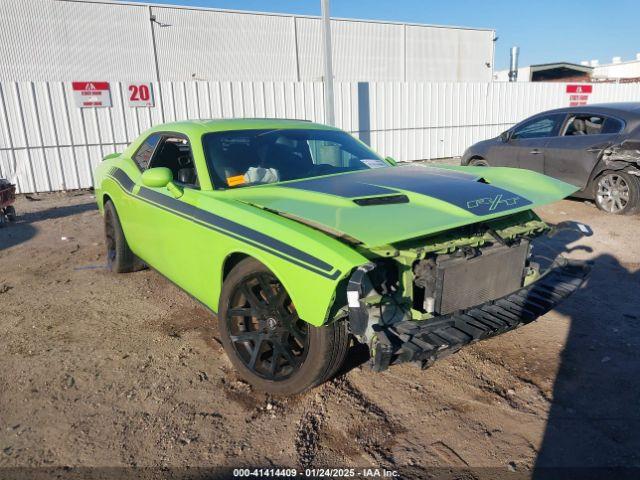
{"x": 61, "y": 40}
{"x": 410, "y": 91}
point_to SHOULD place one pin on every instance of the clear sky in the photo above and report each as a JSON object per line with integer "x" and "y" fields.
{"x": 545, "y": 30}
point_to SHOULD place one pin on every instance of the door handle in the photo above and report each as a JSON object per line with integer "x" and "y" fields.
{"x": 535, "y": 151}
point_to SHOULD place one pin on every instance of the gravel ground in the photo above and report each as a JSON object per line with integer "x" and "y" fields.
{"x": 125, "y": 370}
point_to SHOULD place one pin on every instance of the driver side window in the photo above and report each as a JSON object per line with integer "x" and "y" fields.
{"x": 174, "y": 153}
{"x": 540, "y": 127}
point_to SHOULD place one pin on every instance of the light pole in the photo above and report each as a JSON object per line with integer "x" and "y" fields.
{"x": 328, "y": 67}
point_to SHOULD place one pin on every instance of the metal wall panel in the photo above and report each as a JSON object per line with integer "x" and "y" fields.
{"x": 362, "y": 51}
{"x": 48, "y": 144}
{"x": 214, "y": 45}
{"x": 447, "y": 54}
{"x": 62, "y": 40}
{"x": 53, "y": 40}
{"x": 411, "y": 121}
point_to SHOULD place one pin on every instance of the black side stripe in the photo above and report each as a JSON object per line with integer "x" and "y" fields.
{"x": 225, "y": 226}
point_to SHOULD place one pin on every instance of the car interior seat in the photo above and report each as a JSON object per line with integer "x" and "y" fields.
{"x": 232, "y": 161}
{"x": 579, "y": 127}
{"x": 284, "y": 159}
{"x": 167, "y": 157}
{"x": 592, "y": 127}
{"x": 187, "y": 176}
{"x": 177, "y": 160}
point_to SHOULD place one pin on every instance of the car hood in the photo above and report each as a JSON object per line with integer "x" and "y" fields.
{"x": 386, "y": 205}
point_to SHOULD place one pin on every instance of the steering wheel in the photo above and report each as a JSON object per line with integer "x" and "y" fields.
{"x": 322, "y": 169}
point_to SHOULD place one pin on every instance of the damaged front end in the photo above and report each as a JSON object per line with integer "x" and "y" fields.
{"x": 423, "y": 299}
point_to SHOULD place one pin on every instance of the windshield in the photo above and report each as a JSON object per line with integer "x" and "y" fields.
{"x": 252, "y": 157}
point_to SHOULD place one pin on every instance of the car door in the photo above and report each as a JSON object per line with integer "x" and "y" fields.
{"x": 501, "y": 152}
{"x": 573, "y": 154}
{"x": 169, "y": 239}
{"x": 529, "y": 139}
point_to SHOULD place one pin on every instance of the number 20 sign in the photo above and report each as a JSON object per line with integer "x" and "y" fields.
{"x": 140, "y": 94}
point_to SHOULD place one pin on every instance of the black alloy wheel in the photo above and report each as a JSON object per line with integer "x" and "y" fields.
{"x": 264, "y": 328}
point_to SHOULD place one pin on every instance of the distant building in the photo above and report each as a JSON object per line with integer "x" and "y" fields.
{"x": 62, "y": 40}
{"x": 549, "y": 72}
{"x": 587, "y": 71}
{"x": 617, "y": 70}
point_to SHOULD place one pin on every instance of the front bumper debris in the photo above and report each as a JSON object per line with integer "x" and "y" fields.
{"x": 429, "y": 340}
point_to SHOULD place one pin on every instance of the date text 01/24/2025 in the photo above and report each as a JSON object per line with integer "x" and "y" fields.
{"x": 314, "y": 473}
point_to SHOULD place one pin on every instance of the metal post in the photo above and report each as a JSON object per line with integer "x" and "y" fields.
{"x": 513, "y": 64}
{"x": 328, "y": 68}
{"x": 152, "y": 20}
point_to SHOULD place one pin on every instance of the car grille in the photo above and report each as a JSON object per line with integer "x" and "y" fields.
{"x": 462, "y": 283}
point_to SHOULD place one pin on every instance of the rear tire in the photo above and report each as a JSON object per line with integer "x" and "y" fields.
{"x": 617, "y": 192}
{"x": 10, "y": 213}
{"x": 268, "y": 344}
{"x": 478, "y": 162}
{"x": 120, "y": 258}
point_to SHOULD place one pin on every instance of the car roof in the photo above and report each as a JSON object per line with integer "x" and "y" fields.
{"x": 200, "y": 127}
{"x": 626, "y": 110}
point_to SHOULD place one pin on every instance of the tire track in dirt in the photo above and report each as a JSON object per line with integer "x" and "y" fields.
{"x": 375, "y": 435}
{"x": 364, "y": 421}
{"x": 307, "y": 440}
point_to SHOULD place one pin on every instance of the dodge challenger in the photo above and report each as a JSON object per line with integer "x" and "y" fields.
{"x": 301, "y": 239}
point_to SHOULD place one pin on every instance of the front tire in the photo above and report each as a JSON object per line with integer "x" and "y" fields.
{"x": 120, "y": 258}
{"x": 617, "y": 192}
{"x": 267, "y": 343}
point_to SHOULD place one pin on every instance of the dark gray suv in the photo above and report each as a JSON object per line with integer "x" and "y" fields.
{"x": 595, "y": 147}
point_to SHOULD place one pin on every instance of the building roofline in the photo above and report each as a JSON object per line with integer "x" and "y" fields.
{"x": 622, "y": 62}
{"x": 548, "y": 66}
{"x": 272, "y": 14}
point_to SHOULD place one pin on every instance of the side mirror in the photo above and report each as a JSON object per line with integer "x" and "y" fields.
{"x": 157, "y": 177}
{"x": 160, "y": 177}
{"x": 391, "y": 161}
{"x": 505, "y": 136}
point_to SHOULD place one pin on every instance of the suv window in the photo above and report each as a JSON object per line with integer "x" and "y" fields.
{"x": 174, "y": 153}
{"x": 539, "y": 127}
{"x": 144, "y": 153}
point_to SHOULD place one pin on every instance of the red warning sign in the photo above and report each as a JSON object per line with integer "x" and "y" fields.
{"x": 91, "y": 94}
{"x": 579, "y": 88}
{"x": 578, "y": 94}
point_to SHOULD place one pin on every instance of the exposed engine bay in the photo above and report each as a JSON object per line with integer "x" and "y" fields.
{"x": 437, "y": 282}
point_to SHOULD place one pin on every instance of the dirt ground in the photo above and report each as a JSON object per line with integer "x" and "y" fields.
{"x": 125, "y": 370}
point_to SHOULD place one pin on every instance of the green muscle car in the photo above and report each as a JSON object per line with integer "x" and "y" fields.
{"x": 302, "y": 240}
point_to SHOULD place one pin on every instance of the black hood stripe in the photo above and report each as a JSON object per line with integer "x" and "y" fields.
{"x": 457, "y": 188}
{"x": 225, "y": 226}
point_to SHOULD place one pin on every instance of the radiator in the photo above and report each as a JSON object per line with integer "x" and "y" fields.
{"x": 462, "y": 283}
